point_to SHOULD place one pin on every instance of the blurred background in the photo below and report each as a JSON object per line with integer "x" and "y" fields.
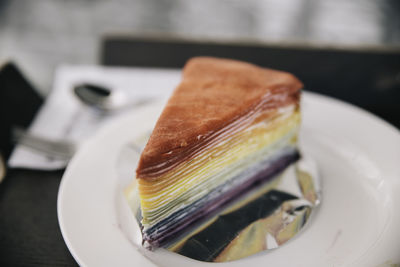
{"x": 349, "y": 50}
{"x": 39, "y": 35}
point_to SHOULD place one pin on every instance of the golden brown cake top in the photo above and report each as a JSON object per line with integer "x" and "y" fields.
{"x": 213, "y": 93}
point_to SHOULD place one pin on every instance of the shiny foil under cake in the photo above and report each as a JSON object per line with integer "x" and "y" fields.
{"x": 264, "y": 218}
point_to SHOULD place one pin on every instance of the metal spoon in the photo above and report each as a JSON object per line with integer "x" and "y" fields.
{"x": 99, "y": 97}
{"x": 105, "y": 99}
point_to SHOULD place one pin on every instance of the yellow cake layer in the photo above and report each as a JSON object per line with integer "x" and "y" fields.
{"x": 155, "y": 194}
{"x": 165, "y": 180}
{"x": 240, "y": 146}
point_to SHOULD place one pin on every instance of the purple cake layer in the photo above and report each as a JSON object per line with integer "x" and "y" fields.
{"x": 208, "y": 208}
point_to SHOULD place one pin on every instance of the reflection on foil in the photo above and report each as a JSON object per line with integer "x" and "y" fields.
{"x": 263, "y": 219}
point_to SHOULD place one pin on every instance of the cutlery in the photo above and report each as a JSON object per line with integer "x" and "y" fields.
{"x": 59, "y": 149}
{"x": 104, "y": 99}
{"x": 99, "y": 97}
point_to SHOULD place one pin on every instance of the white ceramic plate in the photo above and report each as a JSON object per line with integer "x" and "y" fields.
{"x": 357, "y": 223}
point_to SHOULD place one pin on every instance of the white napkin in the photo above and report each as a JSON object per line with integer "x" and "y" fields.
{"x": 64, "y": 117}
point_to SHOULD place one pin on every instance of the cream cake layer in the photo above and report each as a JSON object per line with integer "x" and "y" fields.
{"x": 263, "y": 114}
{"x": 233, "y": 162}
{"x": 225, "y": 154}
{"x": 263, "y": 172}
{"x": 204, "y": 164}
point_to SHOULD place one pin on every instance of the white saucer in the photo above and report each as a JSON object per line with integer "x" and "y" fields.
{"x": 357, "y": 224}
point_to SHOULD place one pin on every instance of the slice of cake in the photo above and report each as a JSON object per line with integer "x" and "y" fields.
{"x": 229, "y": 126}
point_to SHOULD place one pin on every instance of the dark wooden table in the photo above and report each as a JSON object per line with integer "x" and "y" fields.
{"x": 29, "y": 230}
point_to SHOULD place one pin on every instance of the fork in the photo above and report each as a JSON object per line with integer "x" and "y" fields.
{"x": 59, "y": 149}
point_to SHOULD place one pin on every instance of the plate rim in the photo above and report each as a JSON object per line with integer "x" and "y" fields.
{"x": 104, "y": 129}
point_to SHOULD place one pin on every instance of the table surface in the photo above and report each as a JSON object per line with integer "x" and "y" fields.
{"x": 29, "y": 230}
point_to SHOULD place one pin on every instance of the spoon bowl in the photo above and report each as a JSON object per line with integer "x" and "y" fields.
{"x": 101, "y": 97}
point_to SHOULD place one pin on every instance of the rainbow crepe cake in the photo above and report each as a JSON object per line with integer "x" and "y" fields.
{"x": 228, "y": 128}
